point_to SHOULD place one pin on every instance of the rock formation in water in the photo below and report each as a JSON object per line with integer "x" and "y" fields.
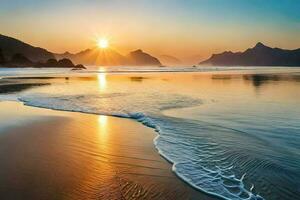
{"x": 260, "y": 55}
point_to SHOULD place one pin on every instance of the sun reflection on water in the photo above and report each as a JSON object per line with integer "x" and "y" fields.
{"x": 101, "y": 81}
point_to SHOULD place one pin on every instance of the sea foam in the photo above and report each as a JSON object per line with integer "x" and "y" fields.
{"x": 192, "y": 161}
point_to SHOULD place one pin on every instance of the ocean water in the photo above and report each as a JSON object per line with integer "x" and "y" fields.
{"x": 230, "y": 132}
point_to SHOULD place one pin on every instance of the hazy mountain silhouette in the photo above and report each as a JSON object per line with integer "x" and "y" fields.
{"x": 20, "y": 60}
{"x": 260, "y": 55}
{"x": 95, "y": 57}
{"x": 169, "y": 60}
{"x": 62, "y": 63}
{"x": 11, "y": 47}
{"x": 63, "y": 55}
{"x": 110, "y": 57}
{"x": 139, "y": 57}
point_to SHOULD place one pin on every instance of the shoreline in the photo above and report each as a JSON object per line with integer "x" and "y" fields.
{"x": 156, "y": 134}
{"x": 180, "y": 139}
{"x": 151, "y": 173}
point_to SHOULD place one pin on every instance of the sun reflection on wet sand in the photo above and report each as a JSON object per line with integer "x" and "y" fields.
{"x": 102, "y": 128}
{"x": 102, "y": 120}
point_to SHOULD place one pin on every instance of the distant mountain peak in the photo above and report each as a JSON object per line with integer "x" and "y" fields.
{"x": 169, "y": 60}
{"x": 259, "y": 55}
{"x": 138, "y": 51}
{"x": 138, "y": 57}
{"x": 110, "y": 57}
{"x": 260, "y": 45}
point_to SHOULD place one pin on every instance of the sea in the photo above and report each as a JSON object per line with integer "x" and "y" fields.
{"x": 232, "y": 132}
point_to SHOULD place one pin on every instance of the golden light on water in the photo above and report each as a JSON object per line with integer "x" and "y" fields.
{"x": 102, "y": 119}
{"x": 103, "y": 43}
{"x": 101, "y": 81}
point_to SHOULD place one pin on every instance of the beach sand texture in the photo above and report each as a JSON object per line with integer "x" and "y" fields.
{"x": 49, "y": 154}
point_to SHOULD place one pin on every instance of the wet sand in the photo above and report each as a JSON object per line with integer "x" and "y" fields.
{"x": 49, "y": 154}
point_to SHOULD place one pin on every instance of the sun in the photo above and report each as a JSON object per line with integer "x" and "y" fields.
{"x": 102, "y": 43}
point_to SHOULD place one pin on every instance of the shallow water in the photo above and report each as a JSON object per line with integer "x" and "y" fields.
{"x": 233, "y": 134}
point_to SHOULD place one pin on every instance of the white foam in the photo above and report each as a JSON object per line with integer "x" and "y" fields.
{"x": 174, "y": 141}
{"x": 197, "y": 176}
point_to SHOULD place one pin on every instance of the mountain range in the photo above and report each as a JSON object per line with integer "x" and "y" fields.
{"x": 110, "y": 57}
{"x": 10, "y": 46}
{"x": 259, "y": 55}
{"x": 169, "y": 60}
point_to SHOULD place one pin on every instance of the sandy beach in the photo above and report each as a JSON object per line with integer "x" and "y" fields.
{"x": 49, "y": 154}
{"x": 149, "y": 99}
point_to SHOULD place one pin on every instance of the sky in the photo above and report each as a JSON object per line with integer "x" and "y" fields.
{"x": 187, "y": 29}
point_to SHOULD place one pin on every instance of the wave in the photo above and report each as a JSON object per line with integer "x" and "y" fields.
{"x": 199, "y": 164}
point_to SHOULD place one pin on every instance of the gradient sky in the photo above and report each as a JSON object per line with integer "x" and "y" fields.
{"x": 183, "y": 28}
